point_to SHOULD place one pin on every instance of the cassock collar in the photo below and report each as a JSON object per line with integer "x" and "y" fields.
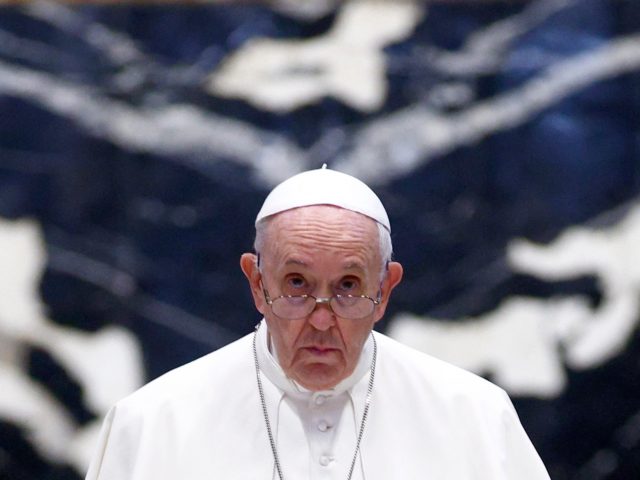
{"x": 272, "y": 370}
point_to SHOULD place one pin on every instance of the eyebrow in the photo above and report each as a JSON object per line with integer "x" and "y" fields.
{"x": 295, "y": 261}
{"x": 349, "y": 266}
{"x": 354, "y": 266}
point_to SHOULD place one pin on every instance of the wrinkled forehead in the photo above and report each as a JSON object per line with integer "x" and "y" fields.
{"x": 322, "y": 228}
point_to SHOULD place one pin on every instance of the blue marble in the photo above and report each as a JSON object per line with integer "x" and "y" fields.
{"x": 144, "y": 184}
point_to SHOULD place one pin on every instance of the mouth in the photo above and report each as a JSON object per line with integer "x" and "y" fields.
{"x": 320, "y": 351}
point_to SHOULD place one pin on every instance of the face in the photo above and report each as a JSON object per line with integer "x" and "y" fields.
{"x": 320, "y": 251}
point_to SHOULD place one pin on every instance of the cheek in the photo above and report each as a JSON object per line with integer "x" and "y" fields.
{"x": 355, "y": 334}
{"x": 284, "y": 334}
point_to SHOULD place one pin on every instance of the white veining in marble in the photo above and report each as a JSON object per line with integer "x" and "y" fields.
{"x": 525, "y": 343}
{"x": 347, "y": 62}
{"x": 379, "y": 150}
{"x": 183, "y": 130}
{"x": 397, "y": 144}
{"x": 483, "y": 51}
{"x": 118, "y": 47}
{"x": 612, "y": 255}
{"x": 84, "y": 355}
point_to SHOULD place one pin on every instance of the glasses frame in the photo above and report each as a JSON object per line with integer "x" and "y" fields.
{"x": 320, "y": 300}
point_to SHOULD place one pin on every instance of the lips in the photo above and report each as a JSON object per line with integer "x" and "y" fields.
{"x": 317, "y": 350}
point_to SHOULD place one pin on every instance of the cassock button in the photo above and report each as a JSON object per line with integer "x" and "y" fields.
{"x": 320, "y": 399}
{"x": 325, "y": 460}
{"x": 323, "y": 426}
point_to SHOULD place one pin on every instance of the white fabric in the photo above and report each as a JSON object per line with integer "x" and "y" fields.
{"x": 324, "y": 187}
{"x": 326, "y": 419}
{"x": 203, "y": 421}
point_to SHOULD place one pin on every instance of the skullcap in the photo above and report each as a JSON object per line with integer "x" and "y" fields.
{"x": 324, "y": 187}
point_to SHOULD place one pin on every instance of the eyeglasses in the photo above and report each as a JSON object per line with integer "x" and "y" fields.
{"x": 293, "y": 307}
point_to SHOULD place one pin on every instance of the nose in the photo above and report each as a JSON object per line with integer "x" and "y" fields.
{"x": 322, "y": 317}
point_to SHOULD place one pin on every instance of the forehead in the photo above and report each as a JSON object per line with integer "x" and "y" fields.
{"x": 303, "y": 235}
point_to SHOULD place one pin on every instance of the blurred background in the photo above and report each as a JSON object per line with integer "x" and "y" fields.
{"x": 138, "y": 140}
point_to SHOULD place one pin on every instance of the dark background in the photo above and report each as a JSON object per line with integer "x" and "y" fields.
{"x": 143, "y": 225}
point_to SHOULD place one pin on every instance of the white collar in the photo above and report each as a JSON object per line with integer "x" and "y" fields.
{"x": 272, "y": 370}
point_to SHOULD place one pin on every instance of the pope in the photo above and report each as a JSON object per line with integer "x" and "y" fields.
{"x": 314, "y": 392}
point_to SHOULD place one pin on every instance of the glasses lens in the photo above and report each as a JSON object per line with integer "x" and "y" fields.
{"x": 293, "y": 307}
{"x": 343, "y": 306}
{"x": 352, "y": 307}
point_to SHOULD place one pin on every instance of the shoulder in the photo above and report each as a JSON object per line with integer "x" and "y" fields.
{"x": 189, "y": 384}
{"x": 421, "y": 371}
{"x": 430, "y": 400}
{"x": 200, "y": 403}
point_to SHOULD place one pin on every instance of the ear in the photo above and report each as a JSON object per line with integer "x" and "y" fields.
{"x": 391, "y": 279}
{"x": 249, "y": 266}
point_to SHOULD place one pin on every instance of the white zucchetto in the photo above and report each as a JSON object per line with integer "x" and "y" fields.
{"x": 324, "y": 187}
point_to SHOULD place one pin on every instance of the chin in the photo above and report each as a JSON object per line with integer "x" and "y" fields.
{"x": 319, "y": 370}
{"x": 319, "y": 376}
{"x": 319, "y": 387}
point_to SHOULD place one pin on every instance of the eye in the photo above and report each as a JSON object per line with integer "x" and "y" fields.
{"x": 349, "y": 286}
{"x": 295, "y": 283}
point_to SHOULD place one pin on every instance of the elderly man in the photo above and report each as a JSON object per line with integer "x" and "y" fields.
{"x": 313, "y": 393}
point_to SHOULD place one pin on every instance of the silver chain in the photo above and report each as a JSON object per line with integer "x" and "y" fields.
{"x": 263, "y": 402}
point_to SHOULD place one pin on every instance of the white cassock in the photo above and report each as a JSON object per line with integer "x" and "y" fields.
{"x": 204, "y": 421}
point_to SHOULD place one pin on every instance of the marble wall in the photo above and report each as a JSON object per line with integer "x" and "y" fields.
{"x": 137, "y": 142}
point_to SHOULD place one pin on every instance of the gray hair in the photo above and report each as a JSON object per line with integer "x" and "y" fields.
{"x": 385, "y": 247}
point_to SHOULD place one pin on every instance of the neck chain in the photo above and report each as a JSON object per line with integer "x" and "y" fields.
{"x": 263, "y": 402}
